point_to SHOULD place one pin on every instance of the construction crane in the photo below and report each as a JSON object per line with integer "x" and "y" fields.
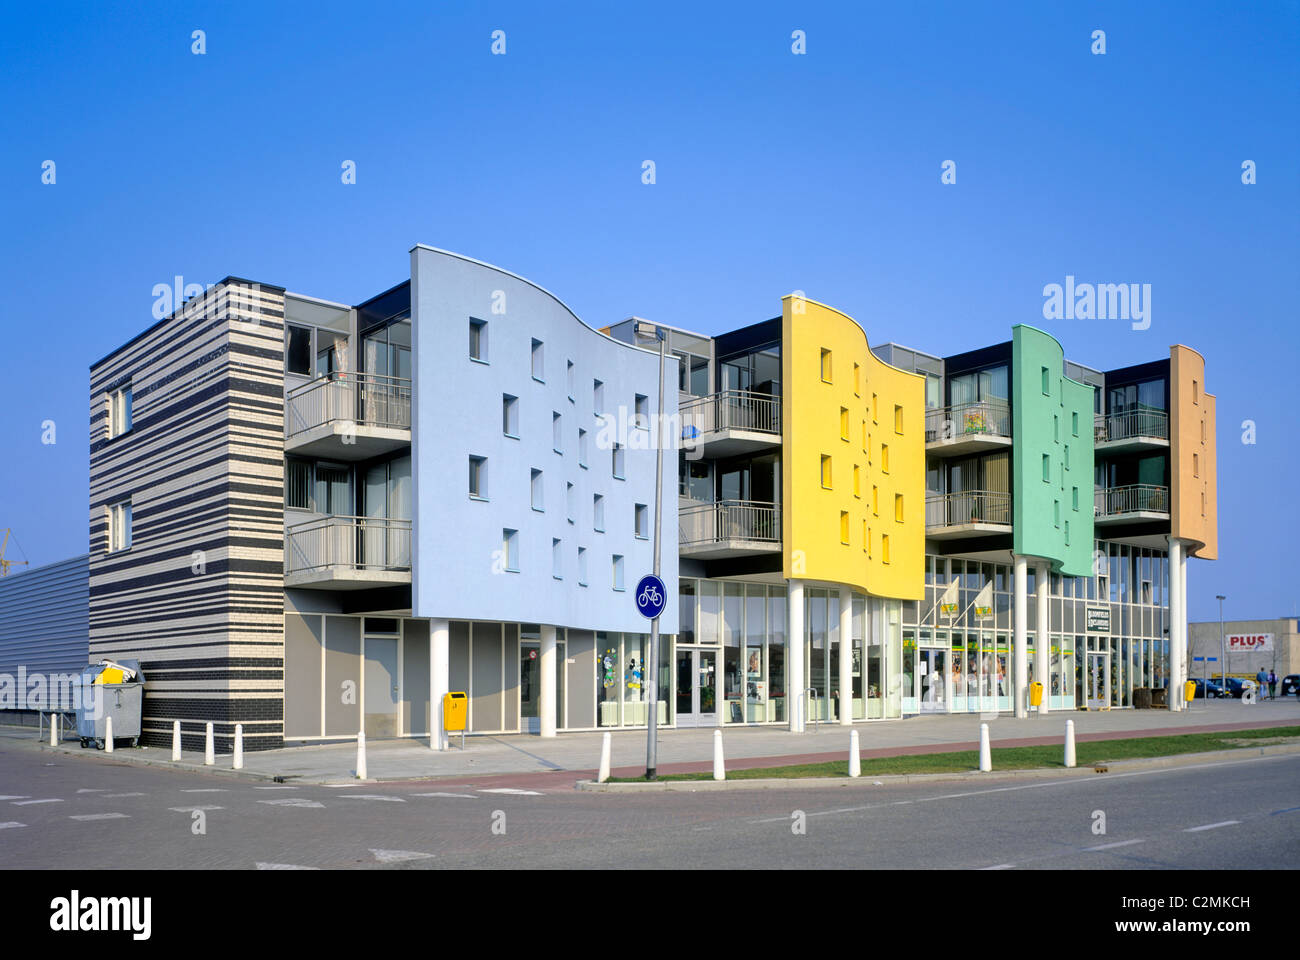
{"x": 6, "y": 564}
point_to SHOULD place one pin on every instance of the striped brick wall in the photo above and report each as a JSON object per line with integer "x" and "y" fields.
{"x": 198, "y": 598}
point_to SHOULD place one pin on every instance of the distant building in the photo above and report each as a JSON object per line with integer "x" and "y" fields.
{"x": 1252, "y": 645}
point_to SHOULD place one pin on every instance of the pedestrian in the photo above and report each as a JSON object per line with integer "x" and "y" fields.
{"x": 1272, "y": 685}
{"x": 1261, "y": 680}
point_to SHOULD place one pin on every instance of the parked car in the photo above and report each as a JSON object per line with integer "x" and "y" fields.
{"x": 1208, "y": 688}
{"x": 1235, "y": 686}
{"x": 1290, "y": 684}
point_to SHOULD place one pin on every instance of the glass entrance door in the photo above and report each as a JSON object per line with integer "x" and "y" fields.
{"x": 932, "y": 676}
{"x": 697, "y": 702}
{"x": 1098, "y": 681}
{"x": 530, "y": 687}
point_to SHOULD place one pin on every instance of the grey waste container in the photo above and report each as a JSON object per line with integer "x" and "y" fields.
{"x": 110, "y": 688}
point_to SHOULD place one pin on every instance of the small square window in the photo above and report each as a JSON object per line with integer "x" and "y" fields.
{"x": 1067, "y": 456}
{"x": 1196, "y": 465}
{"x": 826, "y": 472}
{"x": 119, "y": 412}
{"x": 582, "y": 448}
{"x": 618, "y": 571}
{"x": 1056, "y": 513}
{"x": 557, "y": 432}
{"x": 857, "y": 481}
{"x": 826, "y": 366}
{"x": 598, "y": 513}
{"x": 844, "y": 423}
{"x": 478, "y": 340}
{"x": 875, "y": 500}
{"x": 1074, "y": 497}
{"x": 510, "y": 415}
{"x": 898, "y": 419}
{"x": 884, "y": 458}
{"x": 569, "y": 378}
{"x": 844, "y": 526}
{"x": 297, "y": 350}
{"x": 857, "y": 380}
{"x": 619, "y": 461}
{"x": 641, "y": 521}
{"x": 641, "y": 412}
{"x": 539, "y": 363}
{"x": 478, "y": 478}
{"x": 537, "y": 491}
{"x": 1047, "y": 469}
{"x": 557, "y": 562}
{"x": 1074, "y": 424}
{"x": 866, "y": 538}
{"x": 884, "y": 548}
{"x": 1196, "y": 392}
{"x": 898, "y": 507}
{"x": 119, "y": 526}
{"x": 510, "y": 549}
{"x": 875, "y": 409}
{"x": 598, "y": 397}
{"x": 1056, "y": 429}
{"x": 582, "y": 566}
{"x": 1047, "y": 390}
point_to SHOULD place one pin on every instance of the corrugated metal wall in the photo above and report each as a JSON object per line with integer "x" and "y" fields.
{"x": 44, "y": 618}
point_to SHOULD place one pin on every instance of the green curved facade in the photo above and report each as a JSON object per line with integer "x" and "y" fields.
{"x": 1052, "y": 421}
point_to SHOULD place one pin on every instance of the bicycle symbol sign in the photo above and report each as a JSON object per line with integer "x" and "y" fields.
{"x": 651, "y": 596}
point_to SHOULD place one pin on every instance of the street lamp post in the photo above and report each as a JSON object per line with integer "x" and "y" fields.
{"x": 1223, "y": 647}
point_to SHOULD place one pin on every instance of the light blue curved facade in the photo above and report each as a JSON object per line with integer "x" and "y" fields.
{"x": 541, "y": 466}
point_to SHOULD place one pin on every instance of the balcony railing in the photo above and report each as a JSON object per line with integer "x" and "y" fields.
{"x": 731, "y": 410}
{"x": 965, "y": 421}
{"x": 729, "y": 520}
{"x": 970, "y": 506}
{"x": 1130, "y": 425}
{"x": 1131, "y": 498}
{"x": 365, "y": 399}
{"x": 348, "y": 544}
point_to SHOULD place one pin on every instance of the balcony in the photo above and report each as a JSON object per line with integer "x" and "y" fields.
{"x": 731, "y": 422}
{"x": 1131, "y": 431}
{"x": 347, "y": 553}
{"x": 1132, "y": 502}
{"x": 729, "y": 528}
{"x": 972, "y": 513}
{"x": 965, "y": 428}
{"x": 348, "y": 416}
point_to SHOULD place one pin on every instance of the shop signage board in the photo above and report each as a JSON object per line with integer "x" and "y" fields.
{"x": 1250, "y": 642}
{"x": 1098, "y": 619}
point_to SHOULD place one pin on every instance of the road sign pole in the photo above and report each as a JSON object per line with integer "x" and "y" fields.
{"x": 652, "y": 672}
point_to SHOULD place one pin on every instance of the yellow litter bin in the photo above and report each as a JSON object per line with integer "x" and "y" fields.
{"x": 455, "y": 711}
{"x": 1189, "y": 690}
{"x": 1036, "y": 694}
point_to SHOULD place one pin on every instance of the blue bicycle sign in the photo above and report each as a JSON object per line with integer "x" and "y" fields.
{"x": 651, "y": 596}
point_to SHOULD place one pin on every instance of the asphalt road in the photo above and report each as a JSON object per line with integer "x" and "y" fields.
{"x": 67, "y": 812}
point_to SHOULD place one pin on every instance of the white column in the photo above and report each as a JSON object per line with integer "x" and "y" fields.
{"x": 1019, "y": 636}
{"x": 1184, "y": 666}
{"x": 1043, "y": 661}
{"x": 546, "y": 695}
{"x": 846, "y": 657}
{"x": 439, "y": 677}
{"x": 795, "y": 705}
{"x": 1176, "y": 622}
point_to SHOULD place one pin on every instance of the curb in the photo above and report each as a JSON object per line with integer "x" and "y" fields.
{"x": 831, "y": 783}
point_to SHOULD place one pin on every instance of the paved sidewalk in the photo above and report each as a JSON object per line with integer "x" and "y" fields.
{"x": 684, "y": 751}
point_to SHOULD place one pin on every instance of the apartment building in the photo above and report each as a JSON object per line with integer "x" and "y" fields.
{"x": 314, "y": 518}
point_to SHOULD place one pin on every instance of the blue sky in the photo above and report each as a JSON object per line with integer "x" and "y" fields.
{"x": 774, "y": 172}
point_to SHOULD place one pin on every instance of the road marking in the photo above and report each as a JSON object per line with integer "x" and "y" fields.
{"x": 340, "y": 786}
{"x": 513, "y": 791}
{"x": 1287, "y": 810}
{"x": 1000, "y": 866}
{"x": 100, "y": 816}
{"x": 293, "y": 802}
{"x": 11, "y": 823}
{"x": 192, "y": 809}
{"x": 283, "y": 866}
{"x": 1211, "y": 826}
{"x": 24, "y": 803}
{"x": 92, "y": 790}
{"x": 276, "y": 788}
{"x": 208, "y": 790}
{"x": 16, "y": 797}
{"x": 372, "y": 796}
{"x": 458, "y": 796}
{"x": 1112, "y": 846}
{"x": 114, "y": 796}
{"x": 397, "y": 856}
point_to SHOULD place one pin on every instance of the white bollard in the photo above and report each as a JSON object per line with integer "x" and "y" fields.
{"x": 54, "y": 736}
{"x": 108, "y": 734}
{"x": 1069, "y": 743}
{"x": 986, "y": 755}
{"x": 719, "y": 767}
{"x": 176, "y": 741}
{"x": 603, "y": 775}
{"x": 209, "y": 748}
{"x": 239, "y": 746}
{"x": 855, "y": 758}
{"x": 361, "y": 755}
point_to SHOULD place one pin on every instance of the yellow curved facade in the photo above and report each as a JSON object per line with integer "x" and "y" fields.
{"x": 1193, "y": 463}
{"x": 853, "y": 479}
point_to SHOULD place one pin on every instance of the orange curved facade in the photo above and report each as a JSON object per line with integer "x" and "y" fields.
{"x": 1193, "y": 465}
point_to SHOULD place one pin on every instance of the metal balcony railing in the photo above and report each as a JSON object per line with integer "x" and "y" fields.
{"x": 979, "y": 418}
{"x": 731, "y": 410}
{"x": 348, "y": 543}
{"x": 366, "y": 399}
{"x": 729, "y": 520}
{"x": 1131, "y": 498}
{"x": 970, "y": 506}
{"x": 1134, "y": 423}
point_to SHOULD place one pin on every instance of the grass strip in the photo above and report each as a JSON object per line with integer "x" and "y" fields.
{"x": 1005, "y": 758}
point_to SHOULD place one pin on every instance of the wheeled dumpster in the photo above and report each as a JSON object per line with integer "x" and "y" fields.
{"x": 110, "y": 688}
